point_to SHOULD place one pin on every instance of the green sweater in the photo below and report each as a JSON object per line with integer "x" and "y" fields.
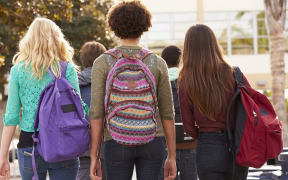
{"x": 25, "y": 90}
{"x": 159, "y": 69}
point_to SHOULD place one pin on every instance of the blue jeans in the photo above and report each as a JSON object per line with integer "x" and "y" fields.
{"x": 120, "y": 160}
{"x": 213, "y": 159}
{"x": 64, "y": 170}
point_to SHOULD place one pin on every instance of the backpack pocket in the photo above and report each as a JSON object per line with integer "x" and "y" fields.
{"x": 132, "y": 124}
{"x": 74, "y": 139}
{"x": 274, "y": 139}
{"x": 73, "y": 123}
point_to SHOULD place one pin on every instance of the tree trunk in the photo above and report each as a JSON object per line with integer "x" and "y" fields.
{"x": 275, "y": 12}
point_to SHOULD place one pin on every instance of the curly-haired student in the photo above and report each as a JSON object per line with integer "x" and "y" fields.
{"x": 138, "y": 104}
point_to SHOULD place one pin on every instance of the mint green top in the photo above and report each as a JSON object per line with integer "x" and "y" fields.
{"x": 25, "y": 90}
{"x": 173, "y": 73}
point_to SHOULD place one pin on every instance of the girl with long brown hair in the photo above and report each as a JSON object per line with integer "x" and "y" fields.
{"x": 205, "y": 89}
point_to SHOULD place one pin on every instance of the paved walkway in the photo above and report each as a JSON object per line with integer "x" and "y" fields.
{"x": 14, "y": 170}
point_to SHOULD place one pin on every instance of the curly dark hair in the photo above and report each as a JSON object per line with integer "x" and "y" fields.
{"x": 89, "y": 52}
{"x": 129, "y": 19}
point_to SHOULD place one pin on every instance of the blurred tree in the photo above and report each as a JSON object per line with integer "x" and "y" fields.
{"x": 80, "y": 20}
{"x": 15, "y": 17}
{"x": 88, "y": 23}
{"x": 275, "y": 11}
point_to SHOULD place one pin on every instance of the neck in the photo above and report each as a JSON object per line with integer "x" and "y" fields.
{"x": 129, "y": 42}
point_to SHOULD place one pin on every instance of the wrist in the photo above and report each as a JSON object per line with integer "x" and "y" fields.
{"x": 171, "y": 156}
{"x": 4, "y": 156}
{"x": 94, "y": 156}
{"x": 171, "y": 153}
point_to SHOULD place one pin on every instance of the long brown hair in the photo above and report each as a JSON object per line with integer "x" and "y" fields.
{"x": 205, "y": 75}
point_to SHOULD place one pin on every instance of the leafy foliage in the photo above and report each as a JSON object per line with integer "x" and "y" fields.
{"x": 80, "y": 20}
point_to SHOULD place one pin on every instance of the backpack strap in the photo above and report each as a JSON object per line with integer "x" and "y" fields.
{"x": 238, "y": 76}
{"x": 116, "y": 53}
{"x": 35, "y": 134}
{"x": 63, "y": 65}
{"x": 51, "y": 74}
{"x": 141, "y": 54}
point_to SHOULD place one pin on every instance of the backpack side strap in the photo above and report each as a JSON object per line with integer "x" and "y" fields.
{"x": 238, "y": 76}
{"x": 63, "y": 65}
{"x": 141, "y": 54}
{"x": 116, "y": 53}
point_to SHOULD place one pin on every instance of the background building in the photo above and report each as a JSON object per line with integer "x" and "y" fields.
{"x": 238, "y": 25}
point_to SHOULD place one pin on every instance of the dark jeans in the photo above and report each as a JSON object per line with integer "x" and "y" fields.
{"x": 120, "y": 160}
{"x": 84, "y": 169}
{"x": 186, "y": 165}
{"x": 214, "y": 161}
{"x": 57, "y": 171}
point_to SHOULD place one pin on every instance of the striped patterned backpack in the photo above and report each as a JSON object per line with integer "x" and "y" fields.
{"x": 130, "y": 99}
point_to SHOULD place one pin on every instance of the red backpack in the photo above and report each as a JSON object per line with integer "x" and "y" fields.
{"x": 257, "y": 132}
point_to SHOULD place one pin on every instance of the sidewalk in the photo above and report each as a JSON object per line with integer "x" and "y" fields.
{"x": 14, "y": 170}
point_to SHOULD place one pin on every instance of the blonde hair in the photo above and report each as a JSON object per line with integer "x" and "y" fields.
{"x": 42, "y": 47}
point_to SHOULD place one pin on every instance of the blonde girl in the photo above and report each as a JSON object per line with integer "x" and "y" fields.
{"x": 42, "y": 47}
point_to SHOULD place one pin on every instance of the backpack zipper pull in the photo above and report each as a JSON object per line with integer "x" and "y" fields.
{"x": 255, "y": 118}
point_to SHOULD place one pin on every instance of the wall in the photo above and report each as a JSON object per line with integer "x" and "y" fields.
{"x": 256, "y": 68}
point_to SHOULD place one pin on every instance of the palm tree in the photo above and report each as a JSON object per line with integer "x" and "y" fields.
{"x": 275, "y": 11}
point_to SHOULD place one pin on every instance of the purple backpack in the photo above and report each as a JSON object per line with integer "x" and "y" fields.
{"x": 63, "y": 129}
{"x": 131, "y": 99}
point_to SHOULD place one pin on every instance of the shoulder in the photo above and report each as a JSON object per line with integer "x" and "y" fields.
{"x": 161, "y": 62}
{"x": 158, "y": 63}
{"x": 102, "y": 61}
{"x": 154, "y": 60}
{"x": 17, "y": 68}
{"x": 70, "y": 68}
{"x": 71, "y": 71}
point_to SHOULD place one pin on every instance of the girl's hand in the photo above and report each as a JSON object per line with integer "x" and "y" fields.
{"x": 4, "y": 169}
{"x": 95, "y": 169}
{"x": 170, "y": 169}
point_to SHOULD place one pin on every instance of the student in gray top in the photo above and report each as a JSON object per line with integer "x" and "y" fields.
{"x": 88, "y": 53}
